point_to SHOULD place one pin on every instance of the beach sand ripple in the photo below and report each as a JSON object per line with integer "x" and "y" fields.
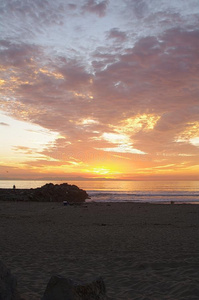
{"x": 141, "y": 251}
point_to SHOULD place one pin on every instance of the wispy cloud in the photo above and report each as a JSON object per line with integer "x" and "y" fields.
{"x": 4, "y": 124}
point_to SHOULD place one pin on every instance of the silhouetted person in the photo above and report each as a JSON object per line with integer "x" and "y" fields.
{"x": 14, "y": 187}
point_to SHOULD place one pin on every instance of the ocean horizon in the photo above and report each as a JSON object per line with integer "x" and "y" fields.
{"x": 124, "y": 191}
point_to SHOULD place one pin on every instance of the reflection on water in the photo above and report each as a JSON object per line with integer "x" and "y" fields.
{"x": 133, "y": 191}
{"x": 127, "y": 186}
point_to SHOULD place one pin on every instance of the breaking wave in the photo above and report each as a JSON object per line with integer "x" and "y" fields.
{"x": 151, "y": 197}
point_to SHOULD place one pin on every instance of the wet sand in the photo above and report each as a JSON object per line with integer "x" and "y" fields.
{"x": 142, "y": 251}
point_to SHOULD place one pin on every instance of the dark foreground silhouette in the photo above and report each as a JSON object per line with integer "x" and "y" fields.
{"x": 47, "y": 193}
{"x": 58, "y": 288}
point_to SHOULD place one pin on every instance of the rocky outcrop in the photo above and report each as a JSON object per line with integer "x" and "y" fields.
{"x": 8, "y": 284}
{"x": 48, "y": 193}
{"x": 60, "y": 288}
{"x": 62, "y": 192}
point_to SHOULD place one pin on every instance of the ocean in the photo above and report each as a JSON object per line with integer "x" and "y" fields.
{"x": 126, "y": 191}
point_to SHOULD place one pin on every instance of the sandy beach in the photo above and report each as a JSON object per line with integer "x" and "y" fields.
{"x": 142, "y": 251}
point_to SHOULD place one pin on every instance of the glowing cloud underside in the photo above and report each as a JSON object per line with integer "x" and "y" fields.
{"x": 195, "y": 141}
{"x": 140, "y": 122}
{"x": 190, "y": 135}
{"x": 122, "y": 141}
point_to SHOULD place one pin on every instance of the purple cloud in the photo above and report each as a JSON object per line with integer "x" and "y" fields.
{"x": 139, "y": 7}
{"x": 61, "y": 94}
{"x": 17, "y": 55}
{"x": 119, "y": 36}
{"x": 72, "y": 6}
{"x": 98, "y": 8}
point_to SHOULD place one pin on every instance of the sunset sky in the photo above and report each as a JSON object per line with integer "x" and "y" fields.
{"x": 99, "y": 89}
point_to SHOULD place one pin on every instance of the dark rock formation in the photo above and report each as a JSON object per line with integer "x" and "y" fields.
{"x": 48, "y": 192}
{"x": 8, "y": 284}
{"x": 60, "y": 288}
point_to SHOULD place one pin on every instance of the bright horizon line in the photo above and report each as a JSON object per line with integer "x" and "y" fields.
{"x": 96, "y": 179}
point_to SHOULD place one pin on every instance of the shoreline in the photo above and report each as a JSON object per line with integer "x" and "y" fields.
{"x": 140, "y": 250}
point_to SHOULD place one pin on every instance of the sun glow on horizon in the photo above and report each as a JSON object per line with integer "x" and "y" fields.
{"x": 107, "y": 171}
{"x": 101, "y": 171}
